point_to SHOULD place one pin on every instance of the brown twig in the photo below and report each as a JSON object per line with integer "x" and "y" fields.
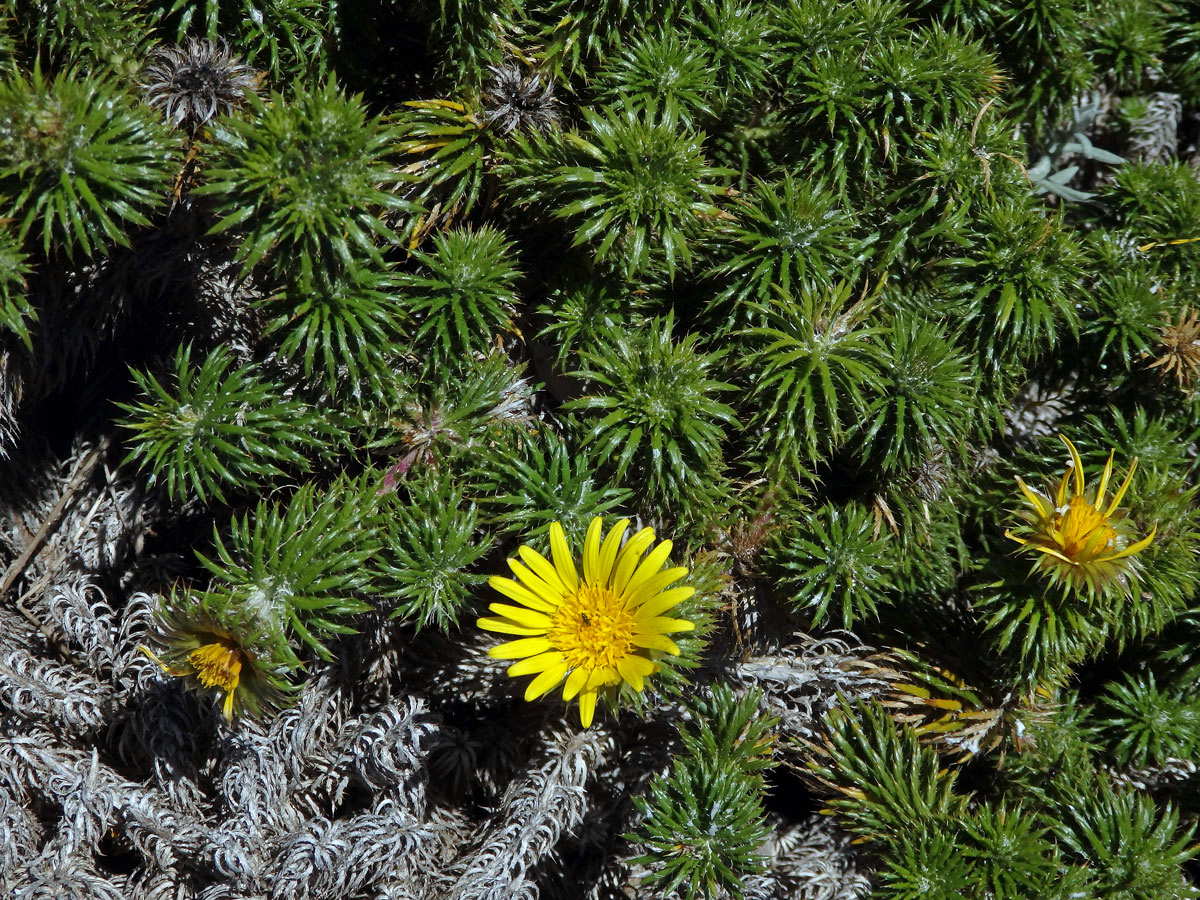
{"x": 83, "y": 471}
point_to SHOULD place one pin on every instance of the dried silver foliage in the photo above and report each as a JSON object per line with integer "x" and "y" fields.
{"x": 1172, "y": 774}
{"x": 1154, "y": 135}
{"x": 535, "y": 814}
{"x": 803, "y": 682}
{"x": 810, "y": 860}
{"x": 1036, "y": 410}
{"x": 380, "y": 781}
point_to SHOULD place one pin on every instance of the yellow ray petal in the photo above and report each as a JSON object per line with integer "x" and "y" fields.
{"x": 575, "y": 682}
{"x": 602, "y": 676}
{"x": 537, "y": 585}
{"x": 1076, "y": 465}
{"x": 1060, "y": 496}
{"x": 1011, "y": 536}
{"x": 542, "y": 568}
{"x": 662, "y": 602}
{"x": 1108, "y": 467}
{"x": 515, "y": 591}
{"x": 587, "y": 708}
{"x": 1036, "y": 500}
{"x": 608, "y": 553}
{"x": 561, "y": 554}
{"x": 1051, "y": 551}
{"x": 520, "y": 649}
{"x": 1138, "y": 547}
{"x": 534, "y": 664}
{"x": 591, "y": 552}
{"x": 654, "y": 584}
{"x": 634, "y": 670}
{"x": 505, "y": 626}
{"x": 546, "y": 681}
{"x": 1120, "y": 494}
{"x": 654, "y": 642}
{"x": 663, "y": 625}
{"x": 521, "y": 615}
{"x": 627, "y": 559}
{"x": 648, "y": 567}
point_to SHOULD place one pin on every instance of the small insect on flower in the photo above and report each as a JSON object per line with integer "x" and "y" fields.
{"x": 591, "y": 634}
{"x": 1079, "y": 542}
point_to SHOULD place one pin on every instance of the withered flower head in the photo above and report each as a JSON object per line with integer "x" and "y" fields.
{"x": 193, "y": 83}
{"x": 1180, "y": 343}
{"x": 518, "y": 101}
{"x": 241, "y": 652}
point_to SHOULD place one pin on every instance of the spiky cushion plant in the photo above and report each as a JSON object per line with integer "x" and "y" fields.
{"x": 745, "y": 332}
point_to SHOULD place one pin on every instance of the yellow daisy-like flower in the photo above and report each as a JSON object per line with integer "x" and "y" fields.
{"x": 594, "y": 633}
{"x": 1080, "y": 542}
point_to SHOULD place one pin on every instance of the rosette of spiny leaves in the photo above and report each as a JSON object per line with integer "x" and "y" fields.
{"x": 580, "y": 33}
{"x": 926, "y": 401}
{"x": 659, "y": 420}
{"x": 341, "y": 330}
{"x": 1180, "y": 63}
{"x": 461, "y": 297}
{"x": 633, "y": 184}
{"x": 537, "y": 479}
{"x": 578, "y": 311}
{"x": 218, "y": 428}
{"x": 437, "y": 422}
{"x": 790, "y": 235}
{"x": 1127, "y": 42}
{"x": 307, "y": 559}
{"x": 456, "y": 142}
{"x": 453, "y": 154}
{"x": 1133, "y": 848}
{"x": 16, "y": 312}
{"x": 881, "y": 781}
{"x": 737, "y": 35}
{"x": 1124, "y": 322}
{"x": 806, "y": 372}
{"x": 1029, "y": 295}
{"x": 303, "y": 182}
{"x": 286, "y": 38}
{"x": 896, "y": 794}
{"x": 861, "y": 83}
{"x": 666, "y": 68}
{"x": 833, "y": 564}
{"x": 1146, "y": 721}
{"x": 704, "y": 820}
{"x": 1165, "y": 499}
{"x": 430, "y": 543}
{"x": 1085, "y": 590}
{"x": 92, "y": 35}
{"x": 470, "y": 35}
{"x": 1158, "y": 206}
{"x": 80, "y": 161}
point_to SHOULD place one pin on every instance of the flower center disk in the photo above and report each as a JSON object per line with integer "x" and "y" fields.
{"x": 592, "y": 628}
{"x": 218, "y": 664}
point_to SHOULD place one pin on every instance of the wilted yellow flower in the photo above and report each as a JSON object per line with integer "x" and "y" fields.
{"x": 590, "y": 634}
{"x": 231, "y": 651}
{"x": 1080, "y": 542}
